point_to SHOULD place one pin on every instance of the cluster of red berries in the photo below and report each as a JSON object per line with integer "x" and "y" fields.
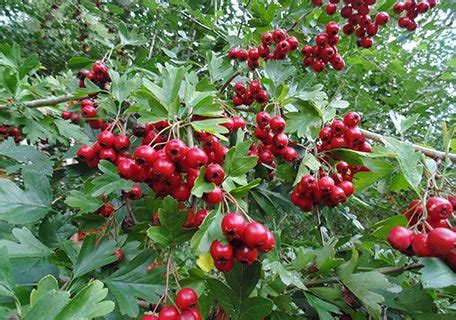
{"x": 99, "y": 75}
{"x": 343, "y": 134}
{"x": 328, "y": 190}
{"x": 107, "y": 147}
{"x": 436, "y": 238}
{"x": 284, "y": 45}
{"x": 360, "y": 23}
{"x": 245, "y": 242}
{"x": 244, "y": 96}
{"x": 324, "y": 51}
{"x": 186, "y": 308}
{"x": 412, "y": 9}
{"x": 73, "y": 116}
{"x": 88, "y": 110}
{"x": 273, "y": 141}
{"x": 8, "y": 131}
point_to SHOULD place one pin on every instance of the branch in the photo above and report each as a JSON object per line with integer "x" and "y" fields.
{"x": 427, "y": 151}
{"x": 228, "y": 81}
{"x": 294, "y": 25}
{"x": 387, "y": 270}
{"x": 46, "y": 101}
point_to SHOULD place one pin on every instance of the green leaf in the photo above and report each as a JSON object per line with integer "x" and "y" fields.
{"x": 278, "y": 72}
{"x": 209, "y": 231}
{"x": 83, "y": 201}
{"x": 237, "y": 163}
{"x": 309, "y": 162}
{"x": 244, "y": 189}
{"x": 364, "y": 285}
{"x": 323, "y": 308}
{"x": 436, "y": 274}
{"x": 110, "y": 181}
{"x": 170, "y": 232}
{"x": 212, "y": 126}
{"x": 132, "y": 38}
{"x": 71, "y": 131}
{"x": 19, "y": 206}
{"x": 88, "y": 303}
{"x": 133, "y": 281}
{"x": 225, "y": 297}
{"x": 288, "y": 278}
{"x": 79, "y": 62}
{"x": 382, "y": 228}
{"x": 305, "y": 122}
{"x": 217, "y": 66}
{"x": 409, "y": 160}
{"x": 28, "y": 157}
{"x": 94, "y": 255}
{"x": 123, "y": 87}
{"x": 242, "y": 279}
{"x": 255, "y": 308}
{"x": 46, "y": 284}
{"x": 201, "y": 186}
{"x": 7, "y": 284}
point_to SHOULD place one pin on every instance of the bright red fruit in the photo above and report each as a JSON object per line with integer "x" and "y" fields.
{"x": 224, "y": 265}
{"x": 326, "y": 184}
{"x": 278, "y": 35}
{"x": 106, "y": 209}
{"x": 352, "y": 119}
{"x": 245, "y": 255}
{"x": 122, "y": 143}
{"x": 420, "y": 246}
{"x": 262, "y": 119}
{"x": 269, "y": 244}
{"x": 196, "y": 158}
{"x": 149, "y": 317}
{"x": 163, "y": 168}
{"x": 106, "y": 138}
{"x": 214, "y": 173}
{"x": 213, "y": 197}
{"x": 347, "y": 187}
{"x": 186, "y": 315}
{"x": 289, "y": 154}
{"x": 176, "y": 149}
{"x": 168, "y": 313}
{"x": 186, "y": 298}
{"x": 220, "y": 251}
{"x": 233, "y": 226}
{"x": 438, "y": 208}
{"x": 255, "y": 235}
{"x": 400, "y": 238}
{"x": 128, "y": 169}
{"x": 441, "y": 241}
{"x": 86, "y": 153}
{"x": 277, "y": 124}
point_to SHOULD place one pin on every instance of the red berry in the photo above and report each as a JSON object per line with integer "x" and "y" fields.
{"x": 348, "y": 187}
{"x": 398, "y": 7}
{"x": 120, "y": 255}
{"x": 168, "y": 313}
{"x": 176, "y": 149}
{"x": 293, "y": 42}
{"x": 122, "y": 143}
{"x": 412, "y": 25}
{"x": 214, "y": 173}
{"x": 75, "y": 118}
{"x": 277, "y": 124}
{"x": 352, "y": 119}
{"x": 381, "y": 18}
{"x": 149, "y": 317}
{"x": 220, "y": 251}
{"x": 400, "y": 238}
{"x": 240, "y": 88}
{"x": 196, "y": 158}
{"x": 337, "y": 195}
{"x": 263, "y": 50}
{"x": 145, "y": 155}
{"x": 255, "y": 235}
{"x": 325, "y": 184}
{"x": 441, "y": 241}
{"x": 263, "y": 119}
{"x": 254, "y": 54}
{"x": 106, "y": 209}
{"x": 214, "y": 197}
{"x": 321, "y": 39}
{"x": 163, "y": 168}
{"x": 233, "y": 226}
{"x": 438, "y": 208}
{"x": 238, "y": 123}
{"x": 242, "y": 55}
{"x": 348, "y": 29}
{"x": 404, "y": 22}
{"x": 278, "y": 35}
{"x": 422, "y": 7}
{"x": 106, "y": 139}
{"x": 420, "y": 246}
{"x": 346, "y": 12}
{"x": 331, "y": 8}
{"x": 338, "y": 128}
{"x": 89, "y": 112}
{"x": 108, "y": 154}
{"x": 283, "y": 46}
{"x": 245, "y": 255}
{"x": 318, "y": 65}
{"x": 186, "y": 315}
{"x": 233, "y": 53}
{"x": 186, "y": 298}
{"x": 196, "y": 313}
{"x": 305, "y": 204}
{"x": 181, "y": 192}
{"x": 224, "y": 265}
{"x": 266, "y": 38}
{"x": 261, "y": 96}
{"x": 289, "y": 154}
{"x": 128, "y": 169}
{"x": 86, "y": 153}
{"x": 366, "y": 42}
{"x": 269, "y": 244}
{"x": 135, "y": 193}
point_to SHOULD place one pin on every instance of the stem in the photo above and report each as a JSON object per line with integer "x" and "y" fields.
{"x": 294, "y": 25}
{"x": 387, "y": 270}
{"x": 427, "y": 151}
{"x": 46, "y": 101}
{"x": 228, "y": 81}
{"x": 320, "y": 225}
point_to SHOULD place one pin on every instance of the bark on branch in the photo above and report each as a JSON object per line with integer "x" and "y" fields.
{"x": 47, "y": 101}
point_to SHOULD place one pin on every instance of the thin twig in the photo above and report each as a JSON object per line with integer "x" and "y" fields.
{"x": 46, "y": 101}
{"x": 294, "y": 25}
{"x": 228, "y": 81}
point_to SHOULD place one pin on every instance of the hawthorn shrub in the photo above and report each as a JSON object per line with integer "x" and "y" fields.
{"x": 205, "y": 160}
